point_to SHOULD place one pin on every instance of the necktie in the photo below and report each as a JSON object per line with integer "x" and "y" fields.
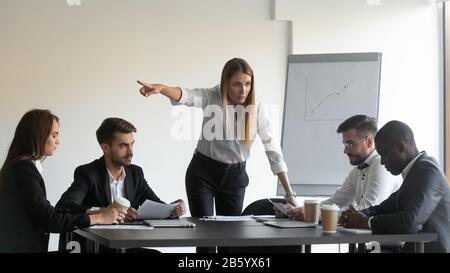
{"x": 363, "y": 166}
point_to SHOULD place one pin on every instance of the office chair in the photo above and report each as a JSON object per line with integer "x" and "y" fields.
{"x": 264, "y": 207}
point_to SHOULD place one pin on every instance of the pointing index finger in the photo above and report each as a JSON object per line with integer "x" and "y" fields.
{"x": 143, "y": 83}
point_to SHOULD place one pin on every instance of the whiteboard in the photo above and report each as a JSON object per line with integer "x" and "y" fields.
{"x": 322, "y": 90}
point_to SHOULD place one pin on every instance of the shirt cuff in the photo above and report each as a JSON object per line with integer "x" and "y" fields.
{"x": 369, "y": 222}
{"x": 93, "y": 209}
{"x": 183, "y": 99}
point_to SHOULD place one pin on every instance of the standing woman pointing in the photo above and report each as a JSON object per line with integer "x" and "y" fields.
{"x": 217, "y": 172}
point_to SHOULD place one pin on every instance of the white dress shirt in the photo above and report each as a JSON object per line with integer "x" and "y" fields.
{"x": 228, "y": 150}
{"x": 117, "y": 186}
{"x": 366, "y": 187}
{"x": 409, "y": 166}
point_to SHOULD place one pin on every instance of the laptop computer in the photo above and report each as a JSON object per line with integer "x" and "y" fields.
{"x": 169, "y": 223}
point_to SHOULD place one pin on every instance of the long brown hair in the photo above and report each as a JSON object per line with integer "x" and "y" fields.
{"x": 232, "y": 67}
{"x": 30, "y": 137}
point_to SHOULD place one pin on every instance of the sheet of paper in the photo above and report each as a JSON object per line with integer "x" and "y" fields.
{"x": 228, "y": 218}
{"x": 154, "y": 210}
{"x": 121, "y": 227}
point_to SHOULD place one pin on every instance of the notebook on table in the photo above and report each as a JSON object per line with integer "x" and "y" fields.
{"x": 169, "y": 223}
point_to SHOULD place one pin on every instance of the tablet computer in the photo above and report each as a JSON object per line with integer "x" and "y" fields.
{"x": 280, "y": 206}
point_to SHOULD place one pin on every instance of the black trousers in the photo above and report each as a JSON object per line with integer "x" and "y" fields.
{"x": 210, "y": 182}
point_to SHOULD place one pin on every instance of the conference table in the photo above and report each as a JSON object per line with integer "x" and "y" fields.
{"x": 237, "y": 234}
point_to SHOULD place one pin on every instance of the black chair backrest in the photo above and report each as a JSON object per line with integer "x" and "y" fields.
{"x": 262, "y": 207}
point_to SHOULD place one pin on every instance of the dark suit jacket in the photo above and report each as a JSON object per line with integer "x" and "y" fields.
{"x": 27, "y": 216}
{"x": 90, "y": 188}
{"x": 422, "y": 204}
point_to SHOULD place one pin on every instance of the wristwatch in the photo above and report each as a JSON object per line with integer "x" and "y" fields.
{"x": 290, "y": 194}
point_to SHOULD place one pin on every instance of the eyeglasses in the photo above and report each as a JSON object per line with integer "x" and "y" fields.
{"x": 350, "y": 144}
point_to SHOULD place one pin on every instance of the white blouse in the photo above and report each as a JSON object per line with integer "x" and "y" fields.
{"x": 224, "y": 148}
{"x": 38, "y": 165}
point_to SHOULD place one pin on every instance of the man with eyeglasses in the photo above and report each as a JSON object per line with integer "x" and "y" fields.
{"x": 421, "y": 205}
{"x": 368, "y": 183}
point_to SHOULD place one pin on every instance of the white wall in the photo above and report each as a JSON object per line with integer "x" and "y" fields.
{"x": 407, "y": 32}
{"x": 82, "y": 62}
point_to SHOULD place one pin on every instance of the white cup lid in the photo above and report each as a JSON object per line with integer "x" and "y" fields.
{"x": 122, "y": 201}
{"x": 330, "y": 207}
{"x": 312, "y": 201}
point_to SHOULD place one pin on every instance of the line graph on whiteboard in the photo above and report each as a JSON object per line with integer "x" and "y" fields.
{"x": 328, "y": 102}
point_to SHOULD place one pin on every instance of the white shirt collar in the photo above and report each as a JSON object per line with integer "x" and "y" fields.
{"x": 371, "y": 157}
{"x": 121, "y": 178}
{"x": 38, "y": 165}
{"x": 409, "y": 166}
{"x": 369, "y": 160}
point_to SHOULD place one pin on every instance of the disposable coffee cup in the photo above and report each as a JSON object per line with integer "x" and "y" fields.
{"x": 312, "y": 211}
{"x": 330, "y": 217}
{"x": 121, "y": 203}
